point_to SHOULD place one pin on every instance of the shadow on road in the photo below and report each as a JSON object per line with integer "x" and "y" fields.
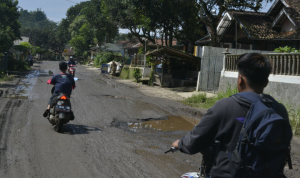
{"x": 74, "y": 129}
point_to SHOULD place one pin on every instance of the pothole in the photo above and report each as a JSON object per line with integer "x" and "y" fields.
{"x": 115, "y": 97}
{"x": 172, "y": 123}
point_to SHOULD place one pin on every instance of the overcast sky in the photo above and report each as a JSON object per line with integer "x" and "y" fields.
{"x": 56, "y": 9}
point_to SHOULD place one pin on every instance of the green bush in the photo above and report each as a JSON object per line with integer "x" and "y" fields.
{"x": 125, "y": 73}
{"x": 136, "y": 74}
{"x": 6, "y": 78}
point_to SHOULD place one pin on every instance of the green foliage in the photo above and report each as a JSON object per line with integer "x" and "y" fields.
{"x": 104, "y": 58}
{"x": 137, "y": 74}
{"x": 26, "y": 46}
{"x": 286, "y": 49}
{"x": 5, "y": 78}
{"x": 294, "y": 116}
{"x": 201, "y": 100}
{"x": 82, "y": 41}
{"x": 141, "y": 50}
{"x": 125, "y": 73}
{"x": 9, "y": 24}
{"x": 151, "y": 79}
{"x": 41, "y": 30}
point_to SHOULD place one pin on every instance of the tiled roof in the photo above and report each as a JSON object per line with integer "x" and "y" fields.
{"x": 294, "y": 4}
{"x": 158, "y": 42}
{"x": 259, "y": 26}
{"x": 294, "y": 15}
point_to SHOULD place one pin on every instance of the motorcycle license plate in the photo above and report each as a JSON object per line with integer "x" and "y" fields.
{"x": 63, "y": 108}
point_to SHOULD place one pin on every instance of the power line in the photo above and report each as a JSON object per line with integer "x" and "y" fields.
{"x": 72, "y": 2}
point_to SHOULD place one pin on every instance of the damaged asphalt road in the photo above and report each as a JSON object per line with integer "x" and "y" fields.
{"x": 117, "y": 131}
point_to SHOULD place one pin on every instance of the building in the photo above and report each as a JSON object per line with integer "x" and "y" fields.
{"x": 258, "y": 30}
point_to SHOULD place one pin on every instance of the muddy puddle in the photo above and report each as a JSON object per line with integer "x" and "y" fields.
{"x": 22, "y": 90}
{"x": 173, "y": 123}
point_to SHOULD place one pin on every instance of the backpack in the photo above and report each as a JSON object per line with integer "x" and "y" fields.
{"x": 263, "y": 144}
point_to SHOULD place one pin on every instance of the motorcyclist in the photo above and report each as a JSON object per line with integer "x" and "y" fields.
{"x": 224, "y": 121}
{"x": 71, "y": 62}
{"x": 64, "y": 83}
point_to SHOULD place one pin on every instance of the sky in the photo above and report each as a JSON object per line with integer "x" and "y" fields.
{"x": 56, "y": 9}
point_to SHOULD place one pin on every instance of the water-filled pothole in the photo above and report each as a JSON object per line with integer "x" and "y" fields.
{"x": 173, "y": 123}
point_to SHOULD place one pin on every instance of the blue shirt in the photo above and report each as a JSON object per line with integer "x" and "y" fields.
{"x": 63, "y": 84}
{"x": 71, "y": 62}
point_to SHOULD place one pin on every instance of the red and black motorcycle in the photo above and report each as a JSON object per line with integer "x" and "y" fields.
{"x": 71, "y": 70}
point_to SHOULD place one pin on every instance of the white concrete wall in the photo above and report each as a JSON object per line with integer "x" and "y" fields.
{"x": 283, "y": 88}
{"x": 213, "y": 60}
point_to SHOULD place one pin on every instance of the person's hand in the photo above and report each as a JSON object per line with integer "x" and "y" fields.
{"x": 175, "y": 144}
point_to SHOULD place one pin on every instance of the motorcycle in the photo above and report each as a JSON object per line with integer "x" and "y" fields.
{"x": 204, "y": 171}
{"x": 71, "y": 70}
{"x": 60, "y": 110}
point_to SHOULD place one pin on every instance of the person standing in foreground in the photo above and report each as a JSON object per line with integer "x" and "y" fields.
{"x": 225, "y": 121}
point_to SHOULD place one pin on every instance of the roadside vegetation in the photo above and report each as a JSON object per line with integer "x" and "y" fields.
{"x": 202, "y": 101}
{"x": 5, "y": 78}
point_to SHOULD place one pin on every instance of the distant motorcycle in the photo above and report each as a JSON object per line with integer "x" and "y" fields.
{"x": 71, "y": 70}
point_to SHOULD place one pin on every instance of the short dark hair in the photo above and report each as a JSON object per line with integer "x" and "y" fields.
{"x": 63, "y": 66}
{"x": 255, "y": 67}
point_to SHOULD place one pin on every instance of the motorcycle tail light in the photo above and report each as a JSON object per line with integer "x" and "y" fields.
{"x": 63, "y": 97}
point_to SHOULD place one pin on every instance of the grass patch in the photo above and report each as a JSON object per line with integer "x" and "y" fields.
{"x": 5, "y": 78}
{"x": 202, "y": 101}
{"x": 125, "y": 73}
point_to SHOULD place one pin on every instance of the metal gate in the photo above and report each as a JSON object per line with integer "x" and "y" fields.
{"x": 3, "y": 62}
{"x": 211, "y": 67}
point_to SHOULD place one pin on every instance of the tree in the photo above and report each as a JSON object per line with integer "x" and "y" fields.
{"x": 83, "y": 40}
{"x": 210, "y": 19}
{"x": 9, "y": 26}
{"x": 126, "y": 15}
{"x": 98, "y": 17}
{"x": 40, "y": 29}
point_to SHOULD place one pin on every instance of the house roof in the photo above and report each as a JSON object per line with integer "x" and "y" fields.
{"x": 134, "y": 43}
{"x": 159, "y": 42}
{"x": 255, "y": 26}
{"x": 171, "y": 52}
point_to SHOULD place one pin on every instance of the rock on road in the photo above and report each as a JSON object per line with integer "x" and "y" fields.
{"x": 89, "y": 146}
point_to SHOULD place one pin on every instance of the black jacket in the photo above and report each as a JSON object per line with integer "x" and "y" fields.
{"x": 221, "y": 122}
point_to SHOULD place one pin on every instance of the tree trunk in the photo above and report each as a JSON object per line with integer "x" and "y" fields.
{"x": 214, "y": 38}
{"x": 166, "y": 38}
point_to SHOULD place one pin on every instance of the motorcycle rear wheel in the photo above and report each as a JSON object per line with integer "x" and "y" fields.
{"x": 58, "y": 127}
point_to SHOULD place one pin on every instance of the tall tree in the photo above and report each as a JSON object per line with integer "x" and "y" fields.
{"x": 126, "y": 15}
{"x": 9, "y": 24}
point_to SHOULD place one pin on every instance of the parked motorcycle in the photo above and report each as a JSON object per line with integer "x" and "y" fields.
{"x": 60, "y": 111}
{"x": 71, "y": 70}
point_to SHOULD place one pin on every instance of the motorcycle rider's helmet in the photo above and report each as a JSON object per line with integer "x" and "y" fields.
{"x": 71, "y": 57}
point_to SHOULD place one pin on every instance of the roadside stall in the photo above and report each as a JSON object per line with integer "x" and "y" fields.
{"x": 174, "y": 68}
